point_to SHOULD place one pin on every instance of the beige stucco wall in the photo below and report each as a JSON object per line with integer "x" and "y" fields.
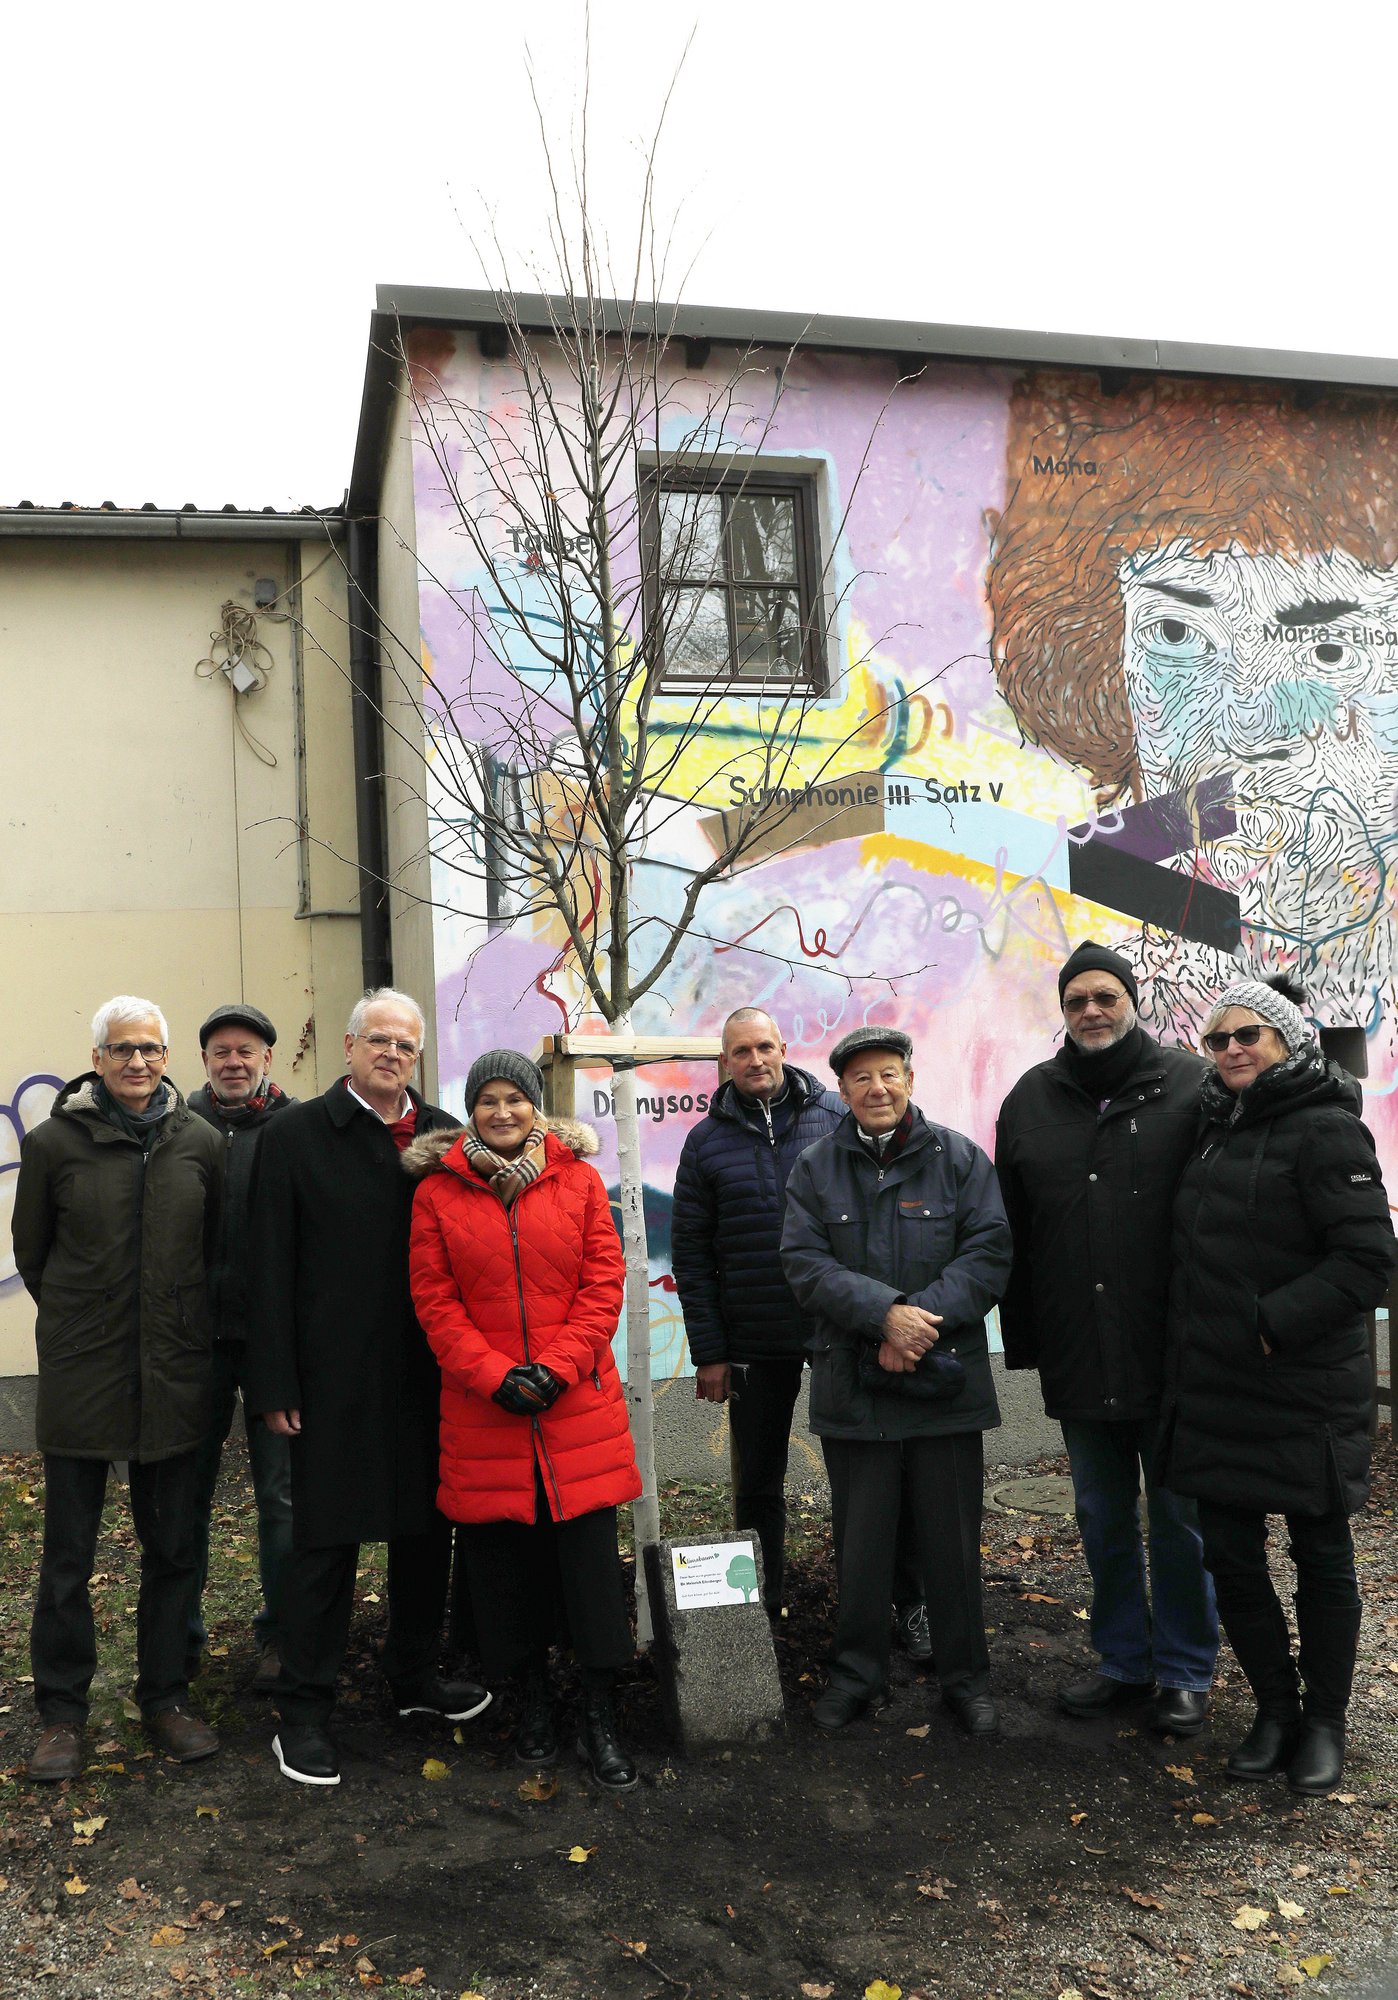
{"x": 147, "y": 849}
{"x": 404, "y": 744}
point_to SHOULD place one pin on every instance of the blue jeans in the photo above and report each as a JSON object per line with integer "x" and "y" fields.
{"x": 270, "y": 1459}
{"x": 1171, "y": 1634}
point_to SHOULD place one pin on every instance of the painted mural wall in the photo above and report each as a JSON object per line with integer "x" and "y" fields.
{"x": 1112, "y": 665}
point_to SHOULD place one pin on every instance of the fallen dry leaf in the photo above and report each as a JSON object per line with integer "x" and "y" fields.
{"x": 921, "y": 1729}
{"x": 1076, "y": 1819}
{"x": 1184, "y": 1772}
{"x": 541, "y": 1786}
{"x": 87, "y": 1827}
{"x": 1142, "y": 1901}
{"x": 75, "y": 1886}
{"x": 1203, "y": 1819}
{"x": 1037, "y": 1597}
{"x": 1316, "y": 1964}
{"x": 1290, "y": 1975}
{"x": 167, "y": 1934}
{"x": 271, "y": 1950}
{"x": 1345, "y": 1798}
{"x": 637, "y": 1945}
{"x": 1084, "y": 1615}
{"x": 206, "y": 1812}
{"x": 580, "y": 1853}
{"x": 808, "y": 1986}
{"x": 471, "y": 1994}
{"x": 433, "y": 1768}
{"x": 130, "y": 1890}
{"x": 413, "y": 1978}
{"x": 880, "y": 1989}
{"x": 1248, "y": 1918}
{"x": 1070, "y": 1993}
{"x": 1291, "y": 1910}
{"x": 1300, "y": 1871}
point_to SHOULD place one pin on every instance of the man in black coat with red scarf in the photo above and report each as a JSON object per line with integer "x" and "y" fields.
{"x": 338, "y": 1363}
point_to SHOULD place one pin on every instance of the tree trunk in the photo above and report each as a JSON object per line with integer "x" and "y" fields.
{"x": 640, "y": 1402}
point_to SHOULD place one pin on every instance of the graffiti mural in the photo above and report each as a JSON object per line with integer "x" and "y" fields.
{"x": 1121, "y": 665}
{"x": 30, "y": 1102}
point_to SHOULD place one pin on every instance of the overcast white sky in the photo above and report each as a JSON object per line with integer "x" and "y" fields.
{"x": 201, "y": 200}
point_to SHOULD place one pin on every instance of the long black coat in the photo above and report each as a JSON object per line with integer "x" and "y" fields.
{"x": 726, "y": 1224}
{"x": 859, "y": 1236}
{"x": 332, "y": 1332}
{"x": 1090, "y": 1196}
{"x": 1282, "y": 1230}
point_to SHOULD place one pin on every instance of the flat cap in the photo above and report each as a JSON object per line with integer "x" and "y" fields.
{"x": 869, "y": 1038}
{"x": 237, "y": 1014}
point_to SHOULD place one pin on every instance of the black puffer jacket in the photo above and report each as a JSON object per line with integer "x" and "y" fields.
{"x": 1282, "y": 1231}
{"x": 1089, "y": 1195}
{"x": 113, "y": 1243}
{"x": 860, "y": 1236}
{"x": 726, "y": 1222}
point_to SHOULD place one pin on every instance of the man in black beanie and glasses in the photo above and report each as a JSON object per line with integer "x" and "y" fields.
{"x": 1089, "y": 1148}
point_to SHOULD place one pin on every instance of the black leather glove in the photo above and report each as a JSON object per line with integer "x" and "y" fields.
{"x": 528, "y": 1389}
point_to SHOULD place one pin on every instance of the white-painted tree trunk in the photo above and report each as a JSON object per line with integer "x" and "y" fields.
{"x": 640, "y": 1403}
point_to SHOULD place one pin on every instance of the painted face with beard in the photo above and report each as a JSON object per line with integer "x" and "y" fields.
{"x": 1284, "y": 671}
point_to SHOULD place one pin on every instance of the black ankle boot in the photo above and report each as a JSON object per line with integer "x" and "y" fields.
{"x": 1318, "y": 1760}
{"x": 599, "y": 1746}
{"x": 536, "y": 1738}
{"x": 1268, "y": 1746}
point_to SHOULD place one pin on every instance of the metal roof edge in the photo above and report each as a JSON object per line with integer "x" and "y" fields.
{"x": 417, "y": 304}
{"x": 168, "y": 524}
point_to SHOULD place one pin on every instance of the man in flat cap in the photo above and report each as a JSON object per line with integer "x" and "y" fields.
{"x": 1089, "y": 1147}
{"x": 240, "y": 1101}
{"x": 895, "y": 1242}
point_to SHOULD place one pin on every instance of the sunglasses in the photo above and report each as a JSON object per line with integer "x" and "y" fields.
{"x": 1246, "y": 1037}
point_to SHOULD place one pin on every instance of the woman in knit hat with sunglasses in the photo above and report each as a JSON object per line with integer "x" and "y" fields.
{"x": 517, "y": 1278}
{"x": 1282, "y": 1244}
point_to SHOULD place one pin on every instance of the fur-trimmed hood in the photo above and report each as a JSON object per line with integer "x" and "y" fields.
{"x": 427, "y": 1155}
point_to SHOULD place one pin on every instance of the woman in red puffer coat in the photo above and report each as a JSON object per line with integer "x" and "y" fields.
{"x": 517, "y": 1279}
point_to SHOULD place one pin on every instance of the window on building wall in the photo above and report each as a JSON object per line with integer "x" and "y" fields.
{"x": 735, "y": 579}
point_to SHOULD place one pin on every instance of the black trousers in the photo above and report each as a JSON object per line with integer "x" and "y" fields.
{"x": 1327, "y": 1606}
{"x": 62, "y": 1637}
{"x": 943, "y": 1478}
{"x": 761, "y": 1403}
{"x": 316, "y": 1615}
{"x": 551, "y": 1583}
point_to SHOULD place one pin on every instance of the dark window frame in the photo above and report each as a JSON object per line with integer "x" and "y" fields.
{"x": 731, "y": 484}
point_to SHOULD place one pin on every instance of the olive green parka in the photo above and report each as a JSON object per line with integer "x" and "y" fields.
{"x": 113, "y": 1244}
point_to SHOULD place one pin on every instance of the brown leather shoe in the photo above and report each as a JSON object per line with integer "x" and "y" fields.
{"x": 180, "y": 1735}
{"x": 269, "y": 1671}
{"x": 57, "y": 1754}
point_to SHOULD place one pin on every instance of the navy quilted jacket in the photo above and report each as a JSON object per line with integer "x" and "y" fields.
{"x": 726, "y": 1223}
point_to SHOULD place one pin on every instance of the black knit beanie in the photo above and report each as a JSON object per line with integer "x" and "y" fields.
{"x": 504, "y": 1066}
{"x": 1093, "y": 957}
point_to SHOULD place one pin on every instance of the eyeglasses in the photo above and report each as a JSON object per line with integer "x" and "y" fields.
{"x": 1246, "y": 1037}
{"x": 1081, "y": 1001}
{"x": 389, "y": 1045}
{"x": 127, "y": 1052}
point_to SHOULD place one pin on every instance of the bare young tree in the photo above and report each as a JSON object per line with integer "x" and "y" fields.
{"x": 605, "y": 640}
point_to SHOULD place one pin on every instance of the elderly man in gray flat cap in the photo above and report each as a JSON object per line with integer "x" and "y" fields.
{"x": 240, "y": 1101}
{"x": 895, "y": 1242}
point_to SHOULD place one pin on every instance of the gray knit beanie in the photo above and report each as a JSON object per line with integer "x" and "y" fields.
{"x": 1273, "y": 1007}
{"x": 504, "y": 1066}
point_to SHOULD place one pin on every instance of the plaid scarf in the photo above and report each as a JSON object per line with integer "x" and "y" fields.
{"x": 886, "y": 1146}
{"x": 509, "y": 1178}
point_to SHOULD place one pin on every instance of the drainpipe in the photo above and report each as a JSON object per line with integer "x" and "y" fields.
{"x": 369, "y": 804}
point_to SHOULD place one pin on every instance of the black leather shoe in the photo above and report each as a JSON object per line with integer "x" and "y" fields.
{"x": 1095, "y": 1694}
{"x": 1318, "y": 1760}
{"x": 599, "y": 1746}
{"x": 58, "y": 1754}
{"x": 838, "y": 1707}
{"x": 454, "y": 1701}
{"x": 1180, "y": 1711}
{"x": 306, "y": 1754}
{"x": 911, "y": 1633}
{"x": 1268, "y": 1747}
{"x": 976, "y": 1714}
{"x": 536, "y": 1738}
{"x": 185, "y": 1737}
